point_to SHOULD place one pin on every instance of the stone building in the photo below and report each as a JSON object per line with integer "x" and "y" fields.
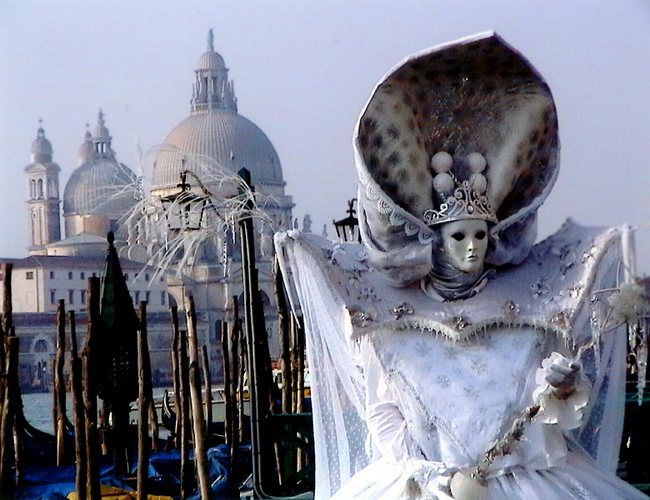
{"x": 101, "y": 194}
{"x": 215, "y": 139}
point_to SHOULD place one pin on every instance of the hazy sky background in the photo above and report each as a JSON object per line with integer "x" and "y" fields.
{"x": 303, "y": 70}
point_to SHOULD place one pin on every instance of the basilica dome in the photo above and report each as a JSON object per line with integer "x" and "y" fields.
{"x": 229, "y": 139}
{"x": 215, "y": 134}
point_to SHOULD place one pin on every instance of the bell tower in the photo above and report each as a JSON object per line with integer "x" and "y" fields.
{"x": 43, "y": 204}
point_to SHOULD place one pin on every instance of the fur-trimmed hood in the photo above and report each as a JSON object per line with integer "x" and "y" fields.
{"x": 476, "y": 95}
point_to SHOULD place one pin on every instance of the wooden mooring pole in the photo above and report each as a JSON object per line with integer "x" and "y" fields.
{"x": 182, "y": 408}
{"x": 285, "y": 344}
{"x": 207, "y": 388}
{"x": 7, "y": 481}
{"x": 5, "y": 270}
{"x": 77, "y": 412}
{"x": 198, "y": 421}
{"x": 152, "y": 415}
{"x": 235, "y": 381}
{"x": 7, "y": 451}
{"x": 59, "y": 384}
{"x": 175, "y": 355}
{"x": 10, "y": 399}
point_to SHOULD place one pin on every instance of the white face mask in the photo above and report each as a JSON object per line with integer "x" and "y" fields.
{"x": 465, "y": 243}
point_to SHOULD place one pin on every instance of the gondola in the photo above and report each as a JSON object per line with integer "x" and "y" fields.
{"x": 168, "y": 415}
{"x": 39, "y": 447}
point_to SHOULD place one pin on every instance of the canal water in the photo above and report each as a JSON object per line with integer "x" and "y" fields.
{"x": 38, "y": 408}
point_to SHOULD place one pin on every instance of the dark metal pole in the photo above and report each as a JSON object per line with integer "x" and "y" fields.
{"x": 187, "y": 467}
{"x": 143, "y": 405}
{"x": 259, "y": 364}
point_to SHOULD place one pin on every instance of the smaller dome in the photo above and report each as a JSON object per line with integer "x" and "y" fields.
{"x": 211, "y": 61}
{"x": 41, "y": 148}
{"x": 100, "y": 186}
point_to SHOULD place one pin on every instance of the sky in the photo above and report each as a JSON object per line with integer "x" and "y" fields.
{"x": 303, "y": 71}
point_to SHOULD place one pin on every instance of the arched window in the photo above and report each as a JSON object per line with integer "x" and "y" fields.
{"x": 40, "y": 189}
{"x": 51, "y": 189}
{"x": 41, "y": 346}
{"x": 32, "y": 189}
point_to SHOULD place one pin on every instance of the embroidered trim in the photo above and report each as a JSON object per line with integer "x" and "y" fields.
{"x": 395, "y": 219}
{"x": 459, "y": 329}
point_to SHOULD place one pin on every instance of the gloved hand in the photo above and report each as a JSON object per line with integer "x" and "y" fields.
{"x": 563, "y": 376}
{"x": 562, "y": 392}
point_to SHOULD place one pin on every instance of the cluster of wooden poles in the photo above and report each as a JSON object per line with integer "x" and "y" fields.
{"x": 88, "y": 442}
{"x": 245, "y": 355}
{"x": 93, "y": 436}
{"x": 92, "y": 432}
{"x": 192, "y": 422}
{"x": 193, "y": 410}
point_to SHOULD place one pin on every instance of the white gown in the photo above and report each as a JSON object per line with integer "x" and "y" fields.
{"x": 406, "y": 390}
{"x": 470, "y": 392}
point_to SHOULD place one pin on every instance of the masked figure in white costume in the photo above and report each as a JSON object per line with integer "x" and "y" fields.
{"x": 450, "y": 356}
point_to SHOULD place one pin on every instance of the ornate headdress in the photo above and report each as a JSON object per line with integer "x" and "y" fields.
{"x": 467, "y": 130}
{"x": 459, "y": 200}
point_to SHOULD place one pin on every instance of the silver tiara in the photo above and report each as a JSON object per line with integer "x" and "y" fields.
{"x": 461, "y": 200}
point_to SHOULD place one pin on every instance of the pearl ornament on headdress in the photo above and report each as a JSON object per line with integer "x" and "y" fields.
{"x": 441, "y": 163}
{"x": 476, "y": 162}
{"x": 460, "y": 199}
{"x": 477, "y": 180}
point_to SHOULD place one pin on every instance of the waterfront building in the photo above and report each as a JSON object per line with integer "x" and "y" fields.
{"x": 103, "y": 195}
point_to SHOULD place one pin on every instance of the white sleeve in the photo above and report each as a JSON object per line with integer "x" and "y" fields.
{"x": 386, "y": 424}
